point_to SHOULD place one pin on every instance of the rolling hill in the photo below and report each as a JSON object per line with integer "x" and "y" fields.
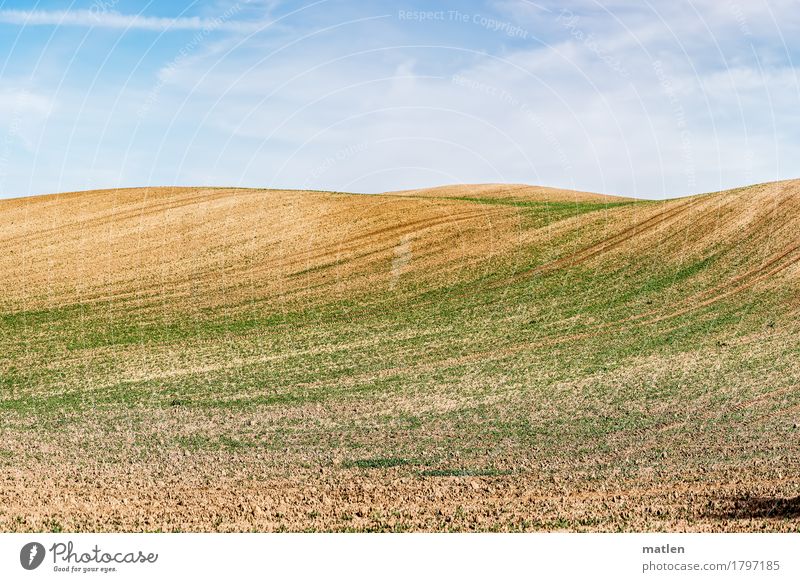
{"x": 472, "y": 357}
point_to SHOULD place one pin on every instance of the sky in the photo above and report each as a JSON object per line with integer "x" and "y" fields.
{"x": 647, "y": 99}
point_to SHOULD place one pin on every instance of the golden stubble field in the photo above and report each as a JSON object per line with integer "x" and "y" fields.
{"x": 480, "y": 358}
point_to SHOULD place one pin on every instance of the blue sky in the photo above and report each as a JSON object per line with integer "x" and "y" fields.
{"x": 651, "y": 99}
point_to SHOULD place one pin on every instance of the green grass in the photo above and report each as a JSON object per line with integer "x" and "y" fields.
{"x": 380, "y": 463}
{"x": 538, "y": 214}
{"x": 319, "y": 353}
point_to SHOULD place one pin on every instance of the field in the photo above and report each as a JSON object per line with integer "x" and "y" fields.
{"x": 469, "y": 358}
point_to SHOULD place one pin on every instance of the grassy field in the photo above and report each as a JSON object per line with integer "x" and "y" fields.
{"x": 490, "y": 358}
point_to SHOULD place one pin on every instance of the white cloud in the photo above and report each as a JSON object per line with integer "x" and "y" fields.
{"x": 24, "y": 102}
{"x": 558, "y": 115}
{"x": 102, "y": 19}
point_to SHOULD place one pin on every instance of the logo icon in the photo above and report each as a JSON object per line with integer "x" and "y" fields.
{"x": 31, "y": 555}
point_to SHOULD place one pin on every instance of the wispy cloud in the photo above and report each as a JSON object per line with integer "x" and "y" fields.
{"x": 100, "y": 19}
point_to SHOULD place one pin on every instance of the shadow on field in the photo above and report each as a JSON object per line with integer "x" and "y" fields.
{"x": 760, "y": 507}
